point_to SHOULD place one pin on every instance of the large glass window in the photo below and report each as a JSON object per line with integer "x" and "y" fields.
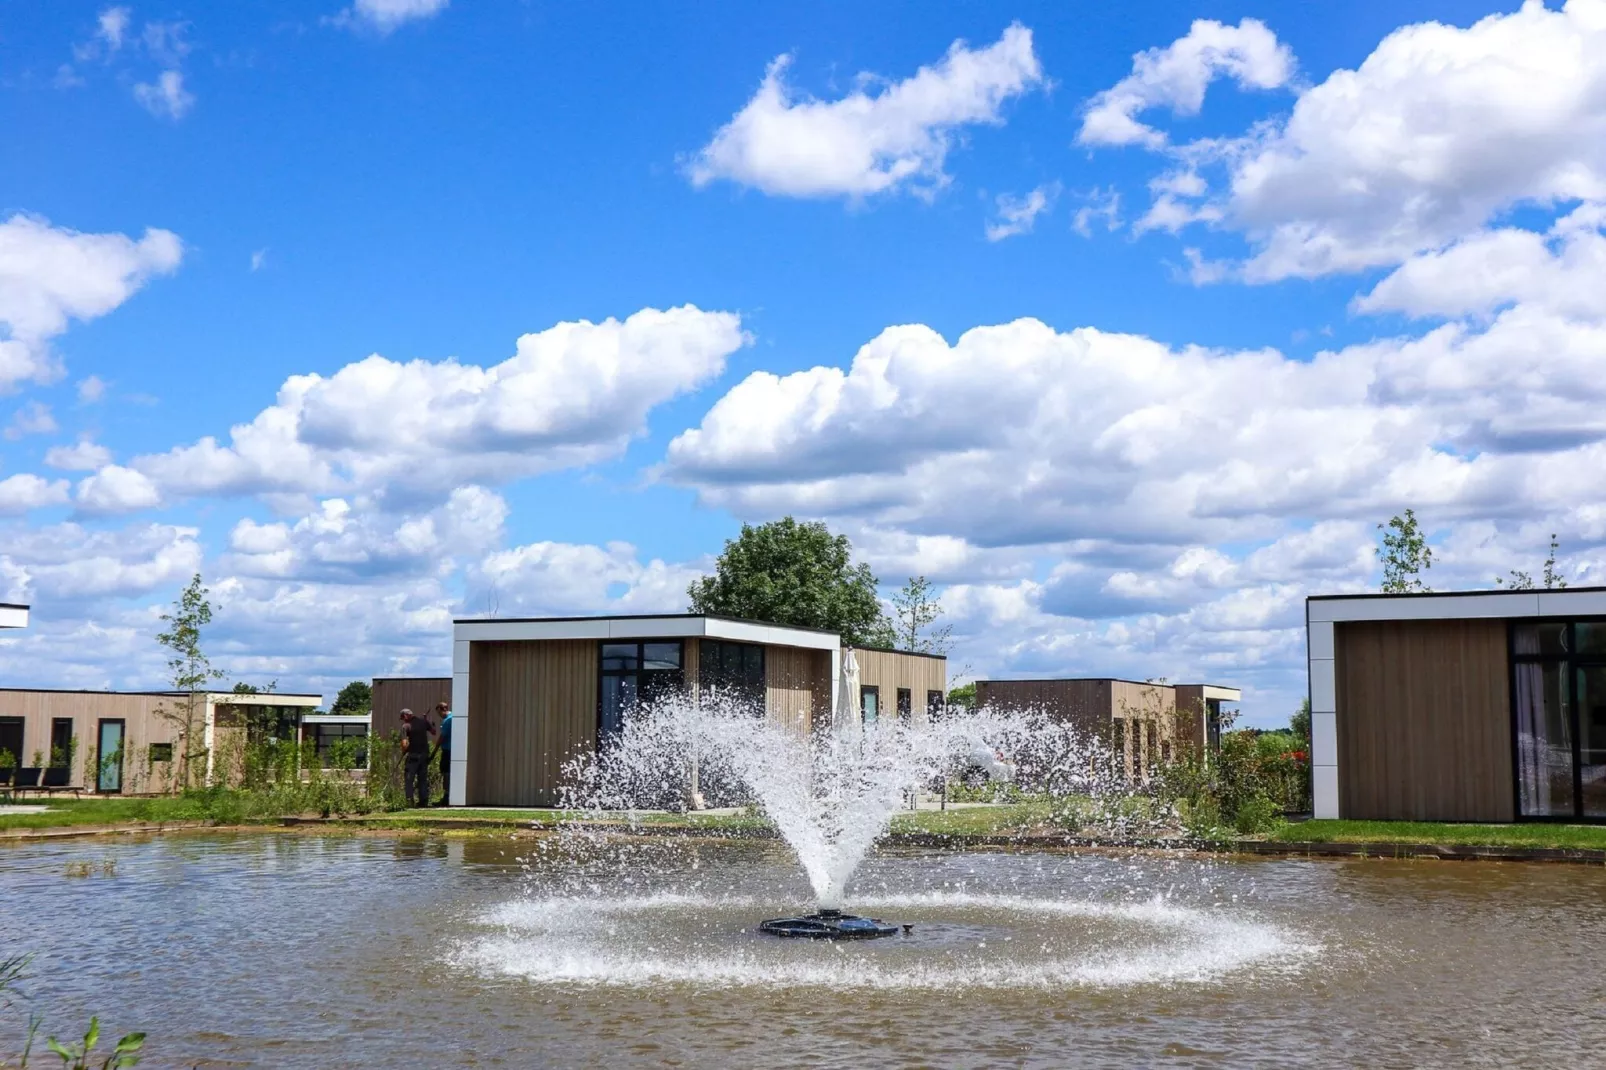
{"x": 732, "y": 672}
{"x": 633, "y": 673}
{"x": 1559, "y": 705}
{"x": 870, "y": 704}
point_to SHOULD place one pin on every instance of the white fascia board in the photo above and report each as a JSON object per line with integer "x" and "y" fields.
{"x": 1418, "y": 607}
{"x": 1225, "y": 694}
{"x": 494, "y": 631}
{"x": 336, "y": 718}
{"x": 13, "y": 616}
{"x": 230, "y": 698}
{"x": 657, "y": 628}
{"x": 1571, "y": 603}
{"x": 770, "y": 634}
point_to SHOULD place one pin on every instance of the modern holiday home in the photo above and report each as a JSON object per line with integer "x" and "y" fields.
{"x": 1470, "y": 706}
{"x": 531, "y": 694}
{"x": 1143, "y": 722}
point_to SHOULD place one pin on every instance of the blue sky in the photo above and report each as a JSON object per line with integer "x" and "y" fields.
{"x": 428, "y": 180}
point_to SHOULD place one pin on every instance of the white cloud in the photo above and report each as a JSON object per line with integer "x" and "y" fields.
{"x": 258, "y": 259}
{"x": 550, "y": 578}
{"x": 1101, "y": 204}
{"x": 115, "y": 489}
{"x": 385, "y": 16}
{"x": 864, "y": 143}
{"x": 1017, "y": 215}
{"x": 91, "y": 389}
{"x": 34, "y": 418}
{"x": 1441, "y": 130}
{"x": 69, "y": 563}
{"x": 1178, "y": 75}
{"x": 166, "y": 97}
{"x": 51, "y": 275}
{"x": 23, "y": 492}
{"x": 570, "y": 395}
{"x": 111, "y": 29}
{"x": 82, "y": 456}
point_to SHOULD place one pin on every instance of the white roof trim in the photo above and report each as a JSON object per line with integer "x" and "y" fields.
{"x": 643, "y": 628}
{"x": 1492, "y": 604}
{"x": 13, "y": 616}
{"x": 231, "y": 698}
{"x": 335, "y": 718}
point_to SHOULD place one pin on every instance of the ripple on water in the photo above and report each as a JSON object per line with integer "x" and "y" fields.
{"x": 960, "y": 940}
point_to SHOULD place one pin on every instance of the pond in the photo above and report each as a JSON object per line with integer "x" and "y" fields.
{"x": 290, "y": 950}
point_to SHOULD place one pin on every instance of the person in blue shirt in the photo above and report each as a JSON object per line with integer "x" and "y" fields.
{"x": 444, "y": 748}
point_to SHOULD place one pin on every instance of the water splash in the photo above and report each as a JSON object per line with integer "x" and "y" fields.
{"x": 832, "y": 793}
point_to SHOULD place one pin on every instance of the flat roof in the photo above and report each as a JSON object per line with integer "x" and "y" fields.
{"x": 640, "y": 616}
{"x": 261, "y": 699}
{"x": 336, "y": 718}
{"x": 1101, "y": 680}
{"x": 1457, "y": 605}
{"x": 13, "y": 605}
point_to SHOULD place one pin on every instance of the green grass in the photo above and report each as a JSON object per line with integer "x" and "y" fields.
{"x": 1524, "y": 835}
{"x": 68, "y": 812}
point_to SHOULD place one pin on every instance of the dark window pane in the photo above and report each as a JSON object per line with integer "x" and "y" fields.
{"x": 1591, "y": 638}
{"x": 730, "y": 661}
{"x": 753, "y": 663}
{"x": 161, "y": 752}
{"x": 1544, "y": 741}
{"x": 1539, "y": 639}
{"x": 934, "y": 703}
{"x": 1592, "y": 738}
{"x": 661, "y": 656}
{"x": 906, "y": 705}
{"x": 618, "y": 695}
{"x": 620, "y": 656}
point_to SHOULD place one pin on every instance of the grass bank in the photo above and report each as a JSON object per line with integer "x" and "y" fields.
{"x": 1578, "y": 837}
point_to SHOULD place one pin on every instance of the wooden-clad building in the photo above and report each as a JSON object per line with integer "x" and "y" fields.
{"x": 1475, "y": 706}
{"x": 1144, "y": 722}
{"x": 392, "y": 694}
{"x": 127, "y": 742}
{"x": 532, "y": 694}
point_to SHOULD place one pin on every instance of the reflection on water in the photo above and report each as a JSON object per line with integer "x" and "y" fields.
{"x": 297, "y": 951}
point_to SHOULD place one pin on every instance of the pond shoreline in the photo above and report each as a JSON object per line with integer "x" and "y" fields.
{"x": 1395, "y": 850}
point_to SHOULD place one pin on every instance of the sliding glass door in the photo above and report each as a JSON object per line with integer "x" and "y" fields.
{"x": 1559, "y": 708}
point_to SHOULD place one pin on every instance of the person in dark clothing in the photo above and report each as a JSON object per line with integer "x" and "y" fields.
{"x": 443, "y": 714}
{"x": 415, "y": 768}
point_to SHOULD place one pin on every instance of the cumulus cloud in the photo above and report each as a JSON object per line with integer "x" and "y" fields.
{"x": 865, "y": 143}
{"x": 50, "y": 276}
{"x": 570, "y": 395}
{"x": 385, "y": 16}
{"x": 81, "y": 456}
{"x": 552, "y": 578}
{"x": 91, "y": 389}
{"x": 1177, "y": 76}
{"x": 70, "y": 563}
{"x": 115, "y": 489}
{"x": 33, "y": 418}
{"x": 23, "y": 492}
{"x": 1441, "y": 130}
{"x": 1017, "y": 215}
{"x": 165, "y": 96}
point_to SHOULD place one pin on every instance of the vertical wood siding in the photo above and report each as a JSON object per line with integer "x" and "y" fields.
{"x": 797, "y": 686}
{"x": 396, "y": 693}
{"x": 889, "y": 670}
{"x": 1424, "y": 721}
{"x": 144, "y": 724}
{"x": 532, "y": 707}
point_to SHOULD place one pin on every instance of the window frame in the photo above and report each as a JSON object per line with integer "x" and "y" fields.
{"x": 1571, "y": 660}
{"x": 639, "y": 672}
{"x": 870, "y": 689}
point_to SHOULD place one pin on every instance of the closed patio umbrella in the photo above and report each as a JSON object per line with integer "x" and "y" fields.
{"x": 847, "y": 694}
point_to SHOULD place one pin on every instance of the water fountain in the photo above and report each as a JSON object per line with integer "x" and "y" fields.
{"x": 831, "y": 794}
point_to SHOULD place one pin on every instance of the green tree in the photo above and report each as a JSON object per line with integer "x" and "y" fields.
{"x": 189, "y": 670}
{"x": 356, "y": 697}
{"x": 1299, "y": 723}
{"x": 915, "y": 609}
{"x": 1524, "y": 581}
{"x": 1405, "y": 554}
{"x": 964, "y": 696}
{"x": 785, "y": 572}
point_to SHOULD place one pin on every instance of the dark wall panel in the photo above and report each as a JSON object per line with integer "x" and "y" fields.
{"x": 1424, "y": 720}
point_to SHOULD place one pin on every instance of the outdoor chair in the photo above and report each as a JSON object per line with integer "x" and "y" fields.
{"x": 57, "y": 779}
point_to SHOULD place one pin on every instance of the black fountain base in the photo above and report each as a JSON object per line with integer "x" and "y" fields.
{"x": 830, "y": 925}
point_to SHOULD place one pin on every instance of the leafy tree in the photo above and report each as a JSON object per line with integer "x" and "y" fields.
{"x": 1524, "y": 581}
{"x": 1299, "y": 723}
{"x": 1405, "y": 554}
{"x": 963, "y": 696}
{"x": 356, "y": 697}
{"x": 915, "y": 609}
{"x": 785, "y": 572}
{"x": 243, "y": 688}
{"x": 190, "y": 669}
